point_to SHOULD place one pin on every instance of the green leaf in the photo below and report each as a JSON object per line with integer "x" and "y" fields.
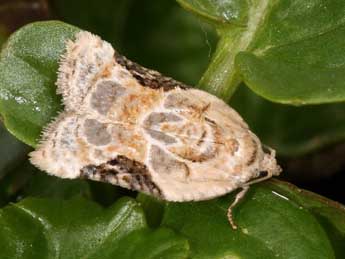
{"x": 331, "y": 215}
{"x": 292, "y": 131}
{"x": 48, "y": 228}
{"x": 302, "y": 72}
{"x": 286, "y": 51}
{"x": 218, "y": 12}
{"x": 275, "y": 220}
{"x": 28, "y": 66}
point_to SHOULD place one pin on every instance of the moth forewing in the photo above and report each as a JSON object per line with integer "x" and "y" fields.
{"x": 133, "y": 127}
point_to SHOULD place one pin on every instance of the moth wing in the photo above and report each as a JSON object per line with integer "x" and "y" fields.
{"x": 74, "y": 141}
{"x": 86, "y": 57}
{"x": 180, "y": 180}
{"x": 204, "y": 149}
{"x": 80, "y": 146}
{"x": 58, "y": 150}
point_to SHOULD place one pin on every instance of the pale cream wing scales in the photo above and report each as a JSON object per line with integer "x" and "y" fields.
{"x": 186, "y": 180}
{"x": 59, "y": 151}
{"x": 179, "y": 181}
{"x": 215, "y": 130}
{"x": 218, "y": 109}
{"x": 198, "y": 158}
{"x": 86, "y": 57}
{"x": 76, "y": 146}
{"x": 74, "y": 141}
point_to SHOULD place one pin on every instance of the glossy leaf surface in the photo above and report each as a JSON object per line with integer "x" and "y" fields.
{"x": 48, "y": 228}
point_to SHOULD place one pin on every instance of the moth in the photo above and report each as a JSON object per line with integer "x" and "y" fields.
{"x": 133, "y": 127}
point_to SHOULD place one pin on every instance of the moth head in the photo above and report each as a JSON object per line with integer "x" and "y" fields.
{"x": 269, "y": 163}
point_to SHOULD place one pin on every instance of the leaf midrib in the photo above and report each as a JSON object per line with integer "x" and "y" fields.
{"x": 263, "y": 51}
{"x": 221, "y": 77}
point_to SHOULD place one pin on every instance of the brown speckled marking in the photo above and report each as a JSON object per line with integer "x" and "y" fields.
{"x": 148, "y": 77}
{"x": 134, "y": 173}
{"x": 232, "y": 146}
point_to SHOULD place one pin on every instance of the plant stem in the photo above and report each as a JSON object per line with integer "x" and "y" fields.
{"x": 221, "y": 77}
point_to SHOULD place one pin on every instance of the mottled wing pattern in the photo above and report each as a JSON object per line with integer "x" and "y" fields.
{"x": 199, "y": 147}
{"x": 133, "y": 127}
{"x": 102, "y": 102}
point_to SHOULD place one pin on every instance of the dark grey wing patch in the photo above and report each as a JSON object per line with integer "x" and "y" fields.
{"x": 164, "y": 163}
{"x": 96, "y": 133}
{"x": 151, "y": 126}
{"x": 124, "y": 172}
{"x": 105, "y": 95}
{"x": 148, "y": 77}
{"x": 160, "y": 136}
{"x": 156, "y": 118}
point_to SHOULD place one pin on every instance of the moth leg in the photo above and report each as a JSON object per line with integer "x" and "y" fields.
{"x": 268, "y": 175}
{"x": 238, "y": 198}
{"x": 242, "y": 193}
